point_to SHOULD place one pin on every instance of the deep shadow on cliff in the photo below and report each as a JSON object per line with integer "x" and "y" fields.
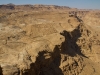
{"x": 1, "y": 71}
{"x": 46, "y": 66}
{"x": 69, "y": 46}
{"x": 47, "y": 63}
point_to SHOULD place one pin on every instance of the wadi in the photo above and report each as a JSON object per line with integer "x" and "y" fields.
{"x": 49, "y": 40}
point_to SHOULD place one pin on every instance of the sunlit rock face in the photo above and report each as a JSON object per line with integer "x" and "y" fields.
{"x": 48, "y": 40}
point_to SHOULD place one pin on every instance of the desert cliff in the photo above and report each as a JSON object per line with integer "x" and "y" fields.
{"x": 49, "y": 40}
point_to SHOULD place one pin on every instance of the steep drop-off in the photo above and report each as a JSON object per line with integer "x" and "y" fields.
{"x": 47, "y": 43}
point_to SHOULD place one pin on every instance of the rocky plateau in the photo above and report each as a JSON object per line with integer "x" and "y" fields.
{"x": 49, "y": 40}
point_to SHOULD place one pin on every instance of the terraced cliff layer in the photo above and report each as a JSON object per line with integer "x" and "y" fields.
{"x": 47, "y": 43}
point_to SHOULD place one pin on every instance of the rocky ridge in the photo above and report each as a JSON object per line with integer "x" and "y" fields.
{"x": 43, "y": 43}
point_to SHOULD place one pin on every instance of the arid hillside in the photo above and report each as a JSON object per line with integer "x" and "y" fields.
{"x": 49, "y": 40}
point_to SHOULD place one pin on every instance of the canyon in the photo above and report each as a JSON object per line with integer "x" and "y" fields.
{"x": 49, "y": 40}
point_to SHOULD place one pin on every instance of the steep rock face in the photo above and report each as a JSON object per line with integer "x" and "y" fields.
{"x": 64, "y": 58}
{"x": 42, "y": 43}
{"x": 38, "y": 52}
{"x": 88, "y": 43}
{"x": 58, "y": 55}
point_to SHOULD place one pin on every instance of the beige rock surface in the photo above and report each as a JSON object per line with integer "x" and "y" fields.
{"x": 45, "y": 40}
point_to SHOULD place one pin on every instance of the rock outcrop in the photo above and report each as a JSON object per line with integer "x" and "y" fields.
{"x": 42, "y": 43}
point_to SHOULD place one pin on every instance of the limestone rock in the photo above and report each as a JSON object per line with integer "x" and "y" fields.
{"x": 48, "y": 40}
